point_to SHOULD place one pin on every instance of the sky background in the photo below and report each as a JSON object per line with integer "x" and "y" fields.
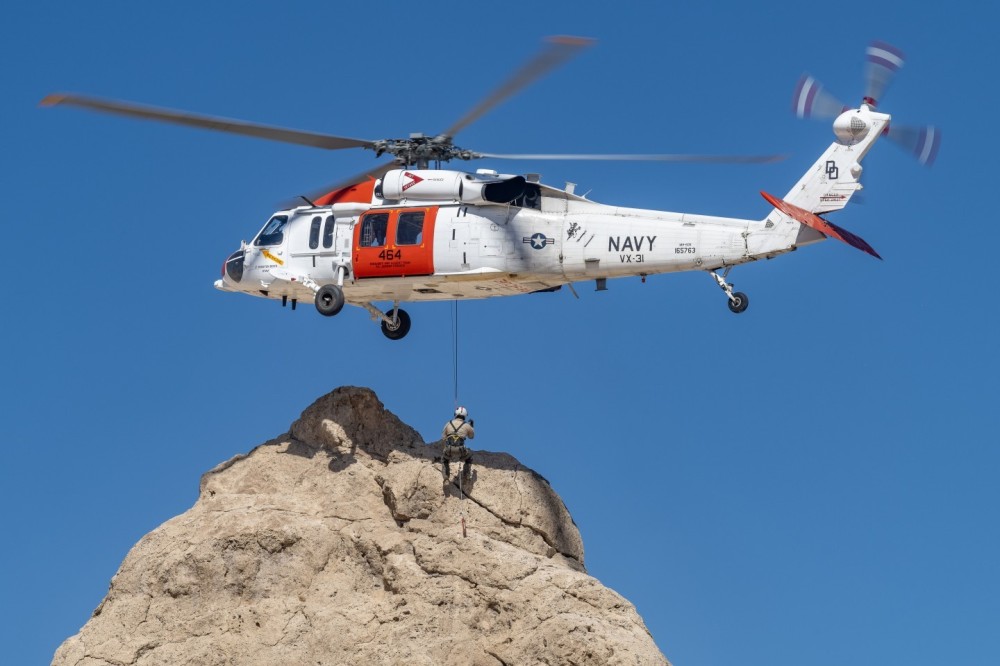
{"x": 810, "y": 482}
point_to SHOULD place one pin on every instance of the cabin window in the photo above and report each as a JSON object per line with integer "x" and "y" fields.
{"x": 328, "y": 232}
{"x": 314, "y": 232}
{"x": 410, "y": 228}
{"x": 373, "y": 229}
{"x": 273, "y": 232}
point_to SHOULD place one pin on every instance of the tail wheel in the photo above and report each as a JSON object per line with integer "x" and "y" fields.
{"x": 739, "y": 302}
{"x": 398, "y": 330}
{"x": 329, "y": 300}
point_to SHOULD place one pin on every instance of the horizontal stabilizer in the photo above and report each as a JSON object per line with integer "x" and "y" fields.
{"x": 819, "y": 224}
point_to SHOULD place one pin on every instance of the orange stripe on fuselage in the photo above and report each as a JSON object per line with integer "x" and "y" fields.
{"x": 358, "y": 193}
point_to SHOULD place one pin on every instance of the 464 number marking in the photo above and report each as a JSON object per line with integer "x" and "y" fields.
{"x": 389, "y": 255}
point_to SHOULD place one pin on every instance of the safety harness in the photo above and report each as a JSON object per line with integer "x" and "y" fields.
{"x": 453, "y": 438}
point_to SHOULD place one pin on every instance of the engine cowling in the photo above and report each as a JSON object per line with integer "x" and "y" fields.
{"x": 439, "y": 185}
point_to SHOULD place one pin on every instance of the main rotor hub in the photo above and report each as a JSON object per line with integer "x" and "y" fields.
{"x": 422, "y": 150}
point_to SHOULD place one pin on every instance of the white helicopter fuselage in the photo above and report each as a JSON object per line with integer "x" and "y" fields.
{"x": 429, "y": 235}
{"x": 483, "y": 250}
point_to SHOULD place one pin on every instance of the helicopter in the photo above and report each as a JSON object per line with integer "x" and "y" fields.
{"x": 410, "y": 231}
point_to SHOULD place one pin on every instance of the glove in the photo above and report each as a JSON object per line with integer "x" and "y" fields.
{"x": 472, "y": 422}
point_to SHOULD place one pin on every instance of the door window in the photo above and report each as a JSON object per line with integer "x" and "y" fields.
{"x": 410, "y": 228}
{"x": 373, "y": 229}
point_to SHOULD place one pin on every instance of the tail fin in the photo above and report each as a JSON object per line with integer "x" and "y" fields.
{"x": 827, "y": 186}
{"x": 833, "y": 179}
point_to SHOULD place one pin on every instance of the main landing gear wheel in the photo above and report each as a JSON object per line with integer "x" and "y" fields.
{"x": 739, "y": 302}
{"x": 329, "y": 300}
{"x": 398, "y": 330}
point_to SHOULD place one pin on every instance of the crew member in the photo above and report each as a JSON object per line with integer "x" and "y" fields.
{"x": 456, "y": 431}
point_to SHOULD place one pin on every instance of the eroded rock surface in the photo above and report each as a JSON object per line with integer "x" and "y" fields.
{"x": 339, "y": 544}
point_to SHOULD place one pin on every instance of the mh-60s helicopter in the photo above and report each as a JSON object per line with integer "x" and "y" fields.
{"x": 406, "y": 232}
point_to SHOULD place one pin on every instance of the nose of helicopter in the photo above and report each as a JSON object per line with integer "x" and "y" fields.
{"x": 232, "y": 270}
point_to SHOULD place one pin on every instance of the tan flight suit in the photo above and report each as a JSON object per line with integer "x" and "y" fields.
{"x": 457, "y": 430}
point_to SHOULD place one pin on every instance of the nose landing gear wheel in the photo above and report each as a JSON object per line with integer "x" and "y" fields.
{"x": 401, "y": 327}
{"x": 329, "y": 300}
{"x": 739, "y": 302}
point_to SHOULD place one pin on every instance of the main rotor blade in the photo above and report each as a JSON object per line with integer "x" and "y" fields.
{"x": 327, "y": 141}
{"x": 882, "y": 62}
{"x": 665, "y": 157}
{"x": 559, "y": 50}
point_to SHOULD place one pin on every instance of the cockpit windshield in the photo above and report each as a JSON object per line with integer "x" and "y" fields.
{"x": 273, "y": 232}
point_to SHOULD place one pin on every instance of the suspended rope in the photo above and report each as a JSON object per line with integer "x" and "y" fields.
{"x": 454, "y": 348}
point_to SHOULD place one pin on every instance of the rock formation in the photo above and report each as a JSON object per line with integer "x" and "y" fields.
{"x": 338, "y": 543}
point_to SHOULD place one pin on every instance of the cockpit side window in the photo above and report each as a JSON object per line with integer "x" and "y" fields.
{"x": 410, "y": 228}
{"x": 373, "y": 229}
{"x": 314, "y": 232}
{"x": 273, "y": 232}
{"x": 328, "y": 232}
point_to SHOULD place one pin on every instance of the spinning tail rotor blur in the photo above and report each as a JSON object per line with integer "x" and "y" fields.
{"x": 882, "y": 62}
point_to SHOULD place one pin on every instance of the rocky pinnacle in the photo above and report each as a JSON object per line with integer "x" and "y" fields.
{"x": 338, "y": 544}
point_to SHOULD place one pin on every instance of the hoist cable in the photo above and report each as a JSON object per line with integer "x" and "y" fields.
{"x": 454, "y": 348}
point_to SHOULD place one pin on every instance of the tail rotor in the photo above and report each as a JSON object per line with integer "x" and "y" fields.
{"x": 921, "y": 142}
{"x": 882, "y": 62}
{"x": 811, "y": 100}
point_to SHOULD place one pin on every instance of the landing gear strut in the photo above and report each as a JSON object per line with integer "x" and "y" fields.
{"x": 738, "y": 301}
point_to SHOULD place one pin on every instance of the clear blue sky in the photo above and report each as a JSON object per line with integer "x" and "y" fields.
{"x": 811, "y": 482}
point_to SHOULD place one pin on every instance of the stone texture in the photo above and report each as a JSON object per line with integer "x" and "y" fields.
{"x": 339, "y": 544}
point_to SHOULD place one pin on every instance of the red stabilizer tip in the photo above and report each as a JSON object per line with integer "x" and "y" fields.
{"x": 816, "y": 222}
